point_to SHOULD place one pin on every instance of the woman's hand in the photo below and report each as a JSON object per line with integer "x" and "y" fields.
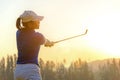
{"x": 48, "y": 43}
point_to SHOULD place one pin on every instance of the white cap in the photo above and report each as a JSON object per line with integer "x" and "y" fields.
{"x": 30, "y": 16}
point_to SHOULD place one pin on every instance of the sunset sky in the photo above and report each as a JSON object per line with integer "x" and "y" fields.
{"x": 66, "y": 18}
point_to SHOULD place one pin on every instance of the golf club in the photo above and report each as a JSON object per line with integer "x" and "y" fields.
{"x": 71, "y": 37}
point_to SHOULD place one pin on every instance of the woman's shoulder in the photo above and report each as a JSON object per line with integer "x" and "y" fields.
{"x": 38, "y": 34}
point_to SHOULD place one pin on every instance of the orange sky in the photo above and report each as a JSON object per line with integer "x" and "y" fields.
{"x": 66, "y": 18}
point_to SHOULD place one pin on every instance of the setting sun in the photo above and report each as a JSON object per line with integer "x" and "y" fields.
{"x": 104, "y": 33}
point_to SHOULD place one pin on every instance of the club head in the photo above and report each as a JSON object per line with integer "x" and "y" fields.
{"x": 86, "y": 31}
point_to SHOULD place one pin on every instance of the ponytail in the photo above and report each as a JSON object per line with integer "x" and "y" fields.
{"x": 18, "y": 24}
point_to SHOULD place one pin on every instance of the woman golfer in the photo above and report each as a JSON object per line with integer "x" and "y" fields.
{"x": 28, "y": 45}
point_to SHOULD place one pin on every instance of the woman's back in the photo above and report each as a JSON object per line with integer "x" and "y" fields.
{"x": 28, "y": 45}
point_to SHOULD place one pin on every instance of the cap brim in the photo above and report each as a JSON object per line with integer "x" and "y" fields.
{"x": 40, "y": 18}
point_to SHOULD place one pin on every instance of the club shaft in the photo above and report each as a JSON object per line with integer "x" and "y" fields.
{"x": 71, "y": 37}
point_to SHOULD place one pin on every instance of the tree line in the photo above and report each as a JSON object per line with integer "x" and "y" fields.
{"x": 78, "y": 70}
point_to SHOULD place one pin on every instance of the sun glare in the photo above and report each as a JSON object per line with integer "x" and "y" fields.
{"x": 104, "y": 35}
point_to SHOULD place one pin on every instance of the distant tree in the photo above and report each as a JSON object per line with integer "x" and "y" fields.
{"x": 15, "y": 60}
{"x": 42, "y": 66}
{"x": 86, "y": 73}
{"x": 61, "y": 72}
{"x": 80, "y": 71}
{"x": 7, "y": 66}
{"x": 10, "y": 68}
{"x": 49, "y": 71}
{"x": 2, "y": 69}
{"x": 111, "y": 71}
